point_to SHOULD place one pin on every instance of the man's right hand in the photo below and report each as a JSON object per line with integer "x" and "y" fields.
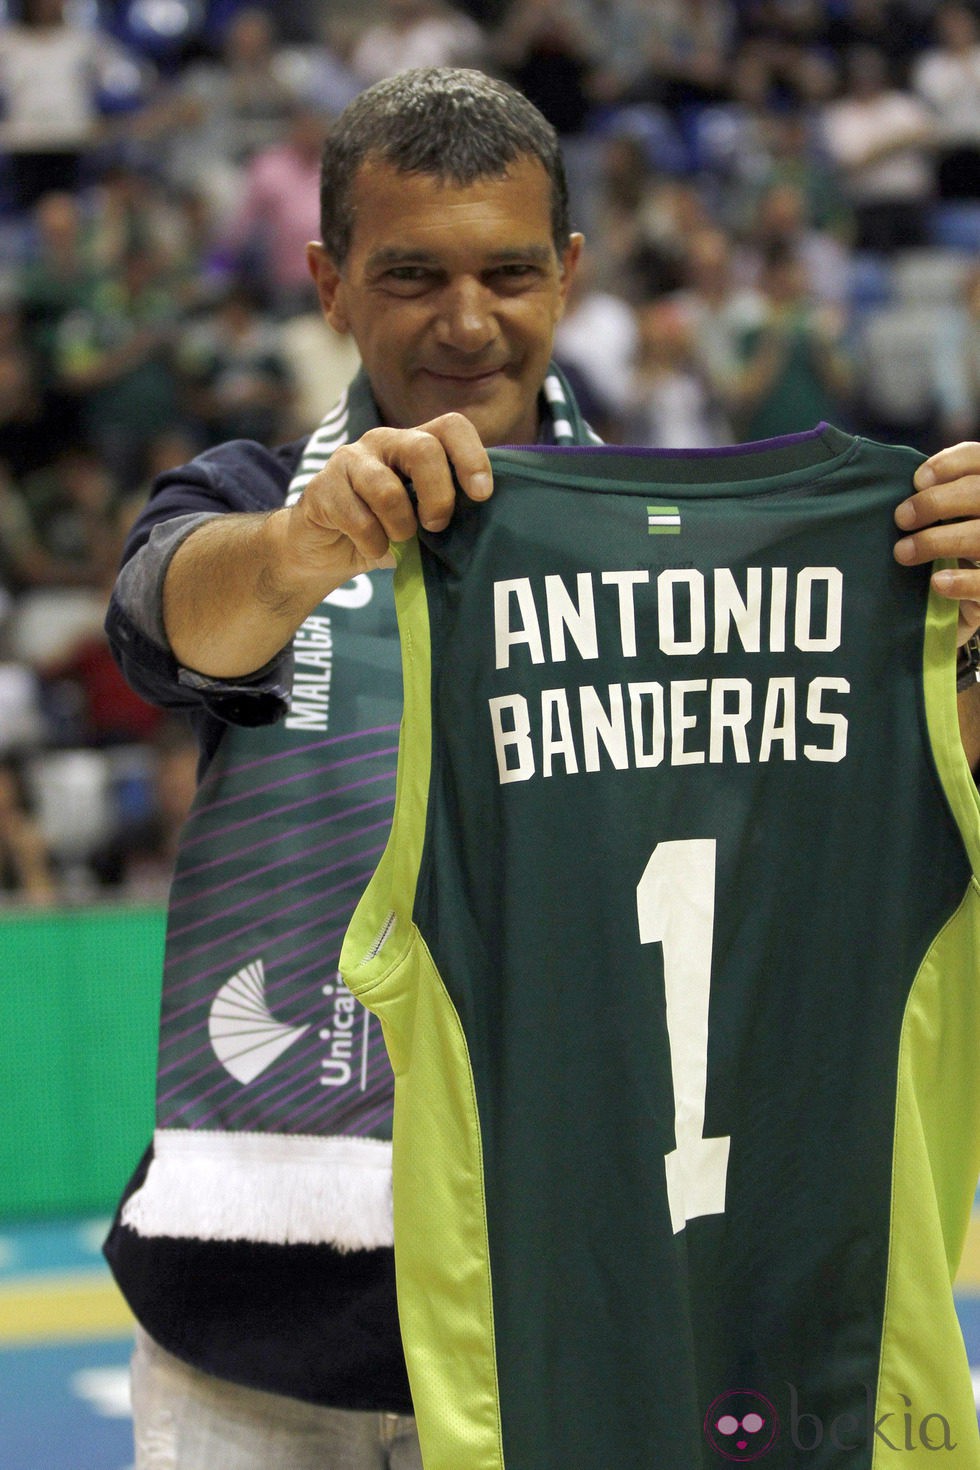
{"x": 240, "y": 585}
{"x": 353, "y": 510}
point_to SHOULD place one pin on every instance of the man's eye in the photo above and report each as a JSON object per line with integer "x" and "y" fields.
{"x": 408, "y": 273}
{"x": 515, "y": 275}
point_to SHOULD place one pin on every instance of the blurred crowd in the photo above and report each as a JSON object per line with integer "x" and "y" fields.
{"x": 781, "y": 201}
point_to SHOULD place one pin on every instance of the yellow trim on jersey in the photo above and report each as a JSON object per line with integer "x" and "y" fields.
{"x": 924, "y": 1372}
{"x": 939, "y": 682}
{"x": 441, "y": 1235}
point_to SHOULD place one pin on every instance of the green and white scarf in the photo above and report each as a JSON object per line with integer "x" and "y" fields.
{"x": 274, "y": 1092}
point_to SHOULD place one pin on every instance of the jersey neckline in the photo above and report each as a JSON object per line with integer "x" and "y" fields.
{"x": 757, "y": 465}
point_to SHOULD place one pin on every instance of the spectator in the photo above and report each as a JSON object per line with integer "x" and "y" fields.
{"x": 644, "y": 220}
{"x": 669, "y": 402}
{"x": 87, "y": 696}
{"x": 596, "y": 338}
{"x": 128, "y": 210}
{"x": 236, "y": 376}
{"x": 721, "y": 314}
{"x": 139, "y": 854}
{"x": 22, "y": 723}
{"x": 794, "y": 155}
{"x": 27, "y": 434}
{"x": 115, "y": 354}
{"x": 957, "y": 364}
{"x": 50, "y": 73}
{"x": 321, "y": 361}
{"x": 330, "y": 82}
{"x": 58, "y": 270}
{"x": 947, "y": 77}
{"x": 881, "y": 138}
{"x": 687, "y": 53}
{"x": 173, "y": 446}
{"x": 219, "y": 113}
{"x": 278, "y": 213}
{"x": 794, "y": 372}
{"x": 26, "y": 869}
{"x": 895, "y": 28}
{"x": 410, "y": 33}
{"x": 549, "y": 52}
{"x": 72, "y": 504}
{"x": 781, "y": 217}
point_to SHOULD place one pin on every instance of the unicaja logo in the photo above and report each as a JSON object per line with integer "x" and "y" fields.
{"x": 743, "y": 1425}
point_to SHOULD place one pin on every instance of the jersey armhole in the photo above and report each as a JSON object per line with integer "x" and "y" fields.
{"x": 381, "y": 929}
{"x": 939, "y": 687}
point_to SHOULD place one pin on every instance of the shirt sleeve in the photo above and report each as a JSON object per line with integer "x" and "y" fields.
{"x": 238, "y": 477}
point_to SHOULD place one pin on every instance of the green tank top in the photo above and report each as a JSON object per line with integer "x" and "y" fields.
{"x": 674, "y": 946}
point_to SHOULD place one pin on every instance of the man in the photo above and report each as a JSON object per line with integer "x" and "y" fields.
{"x": 254, "y": 1242}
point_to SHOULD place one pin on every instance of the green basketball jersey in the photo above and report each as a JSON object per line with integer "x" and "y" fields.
{"x": 675, "y": 950}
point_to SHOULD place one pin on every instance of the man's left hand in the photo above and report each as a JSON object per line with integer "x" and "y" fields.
{"x": 942, "y": 519}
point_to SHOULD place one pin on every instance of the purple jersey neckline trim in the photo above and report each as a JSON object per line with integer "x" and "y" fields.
{"x": 754, "y": 446}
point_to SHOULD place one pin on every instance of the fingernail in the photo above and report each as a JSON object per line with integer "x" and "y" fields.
{"x": 905, "y": 549}
{"x": 924, "y": 477}
{"x": 942, "y": 581}
{"x": 481, "y": 486}
{"x": 905, "y": 515}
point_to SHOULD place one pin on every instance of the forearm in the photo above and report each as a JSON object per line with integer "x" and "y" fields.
{"x": 233, "y": 597}
{"x": 239, "y": 585}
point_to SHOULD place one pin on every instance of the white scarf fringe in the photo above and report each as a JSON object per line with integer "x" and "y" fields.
{"x": 279, "y": 1188}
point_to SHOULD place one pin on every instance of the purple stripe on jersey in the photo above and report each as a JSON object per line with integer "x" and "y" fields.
{"x": 343, "y": 913}
{"x": 289, "y": 1092}
{"x": 246, "y": 928}
{"x": 293, "y": 806}
{"x": 253, "y": 791}
{"x": 281, "y": 862}
{"x": 722, "y": 451}
{"x": 246, "y": 903}
{"x": 380, "y": 1112}
{"x": 280, "y": 755}
{"x": 241, "y": 852}
{"x": 304, "y": 1017}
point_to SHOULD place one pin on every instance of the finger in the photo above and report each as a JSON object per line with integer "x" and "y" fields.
{"x": 953, "y": 540}
{"x": 361, "y": 498}
{"x": 948, "y": 464}
{"x": 958, "y": 500}
{"x": 969, "y": 621}
{"x": 962, "y": 583}
{"x": 466, "y": 453}
{"x": 419, "y": 455}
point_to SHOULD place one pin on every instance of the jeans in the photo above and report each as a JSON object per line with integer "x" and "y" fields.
{"x": 187, "y": 1420}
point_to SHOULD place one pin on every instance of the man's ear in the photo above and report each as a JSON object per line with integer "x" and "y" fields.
{"x": 570, "y": 258}
{"x": 329, "y": 286}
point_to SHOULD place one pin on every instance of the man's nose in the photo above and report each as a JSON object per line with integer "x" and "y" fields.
{"x": 466, "y": 318}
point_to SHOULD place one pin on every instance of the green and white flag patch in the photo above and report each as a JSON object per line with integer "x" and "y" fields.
{"x": 663, "y": 520}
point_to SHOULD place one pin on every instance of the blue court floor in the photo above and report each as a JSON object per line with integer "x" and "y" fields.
{"x": 65, "y": 1338}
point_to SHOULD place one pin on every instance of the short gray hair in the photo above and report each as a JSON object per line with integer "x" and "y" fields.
{"x": 455, "y": 124}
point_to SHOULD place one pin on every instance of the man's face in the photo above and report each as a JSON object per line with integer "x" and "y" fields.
{"x": 452, "y": 295}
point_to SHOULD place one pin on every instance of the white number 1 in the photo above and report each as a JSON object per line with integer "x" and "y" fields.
{"x": 675, "y": 906}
